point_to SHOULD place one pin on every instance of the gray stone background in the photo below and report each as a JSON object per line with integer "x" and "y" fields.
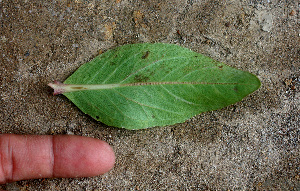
{"x": 251, "y": 145}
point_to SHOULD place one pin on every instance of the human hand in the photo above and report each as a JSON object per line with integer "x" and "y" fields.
{"x": 45, "y": 156}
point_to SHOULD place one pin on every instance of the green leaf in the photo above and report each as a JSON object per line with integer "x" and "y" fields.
{"x": 137, "y": 86}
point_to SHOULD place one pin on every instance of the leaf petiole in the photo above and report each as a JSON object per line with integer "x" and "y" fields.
{"x": 60, "y": 88}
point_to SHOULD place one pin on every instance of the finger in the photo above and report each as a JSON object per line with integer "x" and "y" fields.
{"x": 44, "y": 156}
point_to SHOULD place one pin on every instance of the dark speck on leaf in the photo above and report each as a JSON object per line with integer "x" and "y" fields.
{"x": 235, "y": 89}
{"x": 145, "y": 55}
{"x": 141, "y": 78}
{"x": 97, "y": 117}
{"x": 78, "y": 88}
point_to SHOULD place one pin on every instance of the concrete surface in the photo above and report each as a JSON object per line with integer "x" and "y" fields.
{"x": 251, "y": 145}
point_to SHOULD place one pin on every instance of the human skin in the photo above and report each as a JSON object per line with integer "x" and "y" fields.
{"x": 45, "y": 156}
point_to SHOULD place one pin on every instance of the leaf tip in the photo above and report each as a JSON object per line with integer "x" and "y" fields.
{"x": 57, "y": 87}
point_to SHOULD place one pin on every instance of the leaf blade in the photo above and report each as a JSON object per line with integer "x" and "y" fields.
{"x": 156, "y": 85}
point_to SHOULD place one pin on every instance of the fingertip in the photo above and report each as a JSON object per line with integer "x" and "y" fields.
{"x": 105, "y": 157}
{"x": 77, "y": 156}
{"x": 100, "y": 157}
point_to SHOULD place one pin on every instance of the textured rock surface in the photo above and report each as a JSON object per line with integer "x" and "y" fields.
{"x": 253, "y": 144}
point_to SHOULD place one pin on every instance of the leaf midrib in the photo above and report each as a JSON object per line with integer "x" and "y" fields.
{"x": 82, "y": 87}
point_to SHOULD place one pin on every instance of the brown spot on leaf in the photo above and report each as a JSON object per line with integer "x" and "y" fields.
{"x": 235, "y": 89}
{"x": 141, "y": 78}
{"x": 145, "y": 55}
{"x": 78, "y": 88}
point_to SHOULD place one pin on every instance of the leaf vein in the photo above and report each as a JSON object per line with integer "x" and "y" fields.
{"x": 99, "y": 70}
{"x": 151, "y": 64}
{"x": 145, "y": 104}
{"x": 179, "y": 98}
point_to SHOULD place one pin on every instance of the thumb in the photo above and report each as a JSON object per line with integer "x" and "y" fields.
{"x": 44, "y": 156}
